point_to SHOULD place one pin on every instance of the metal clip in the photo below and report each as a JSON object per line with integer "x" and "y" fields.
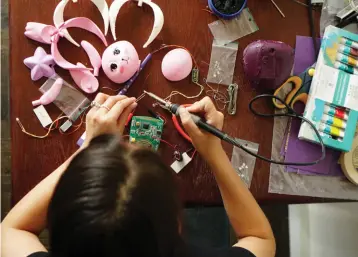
{"x": 232, "y": 91}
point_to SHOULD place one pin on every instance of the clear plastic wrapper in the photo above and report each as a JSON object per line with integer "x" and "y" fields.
{"x": 226, "y": 31}
{"x": 70, "y": 101}
{"x": 222, "y": 63}
{"x": 244, "y": 163}
{"x": 282, "y": 182}
{"x": 330, "y": 9}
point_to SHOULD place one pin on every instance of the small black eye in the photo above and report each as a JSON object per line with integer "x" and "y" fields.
{"x": 116, "y": 51}
{"x": 113, "y": 66}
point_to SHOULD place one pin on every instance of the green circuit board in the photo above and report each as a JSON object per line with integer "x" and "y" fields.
{"x": 146, "y": 131}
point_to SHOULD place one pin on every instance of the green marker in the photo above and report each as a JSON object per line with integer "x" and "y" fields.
{"x": 349, "y": 42}
{"x": 346, "y": 68}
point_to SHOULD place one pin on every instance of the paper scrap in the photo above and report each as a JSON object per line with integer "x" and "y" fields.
{"x": 177, "y": 166}
{"x": 43, "y": 116}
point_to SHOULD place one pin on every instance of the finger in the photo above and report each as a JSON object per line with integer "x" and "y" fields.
{"x": 100, "y": 99}
{"x": 125, "y": 114}
{"x": 109, "y": 103}
{"x": 204, "y": 105}
{"x": 188, "y": 123}
{"x": 216, "y": 120}
{"x": 119, "y": 107}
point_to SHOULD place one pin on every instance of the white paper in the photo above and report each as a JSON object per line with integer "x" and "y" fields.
{"x": 177, "y": 166}
{"x": 43, "y": 116}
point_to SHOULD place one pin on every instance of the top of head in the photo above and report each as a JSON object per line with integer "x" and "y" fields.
{"x": 102, "y": 204}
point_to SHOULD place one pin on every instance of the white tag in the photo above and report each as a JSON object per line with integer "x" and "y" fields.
{"x": 178, "y": 166}
{"x": 43, "y": 116}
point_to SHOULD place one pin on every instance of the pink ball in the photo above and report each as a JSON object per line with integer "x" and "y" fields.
{"x": 177, "y": 64}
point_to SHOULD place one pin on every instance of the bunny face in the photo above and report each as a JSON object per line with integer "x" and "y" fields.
{"x": 120, "y": 61}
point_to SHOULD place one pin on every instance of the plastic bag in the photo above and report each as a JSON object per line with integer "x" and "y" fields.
{"x": 222, "y": 63}
{"x": 329, "y": 10}
{"x": 70, "y": 101}
{"x": 244, "y": 163}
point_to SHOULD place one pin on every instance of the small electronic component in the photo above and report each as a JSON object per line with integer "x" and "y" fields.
{"x": 146, "y": 131}
{"x": 195, "y": 75}
{"x": 65, "y": 126}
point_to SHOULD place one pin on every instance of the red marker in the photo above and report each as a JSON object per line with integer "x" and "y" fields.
{"x": 336, "y": 112}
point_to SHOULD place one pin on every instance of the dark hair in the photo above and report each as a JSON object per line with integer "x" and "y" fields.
{"x": 114, "y": 200}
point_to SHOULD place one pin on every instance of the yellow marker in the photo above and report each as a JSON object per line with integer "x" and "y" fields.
{"x": 347, "y": 60}
{"x": 132, "y": 140}
{"x": 330, "y": 130}
{"x": 334, "y": 121}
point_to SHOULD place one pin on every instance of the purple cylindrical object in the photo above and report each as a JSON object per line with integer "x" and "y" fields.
{"x": 268, "y": 63}
{"x": 134, "y": 77}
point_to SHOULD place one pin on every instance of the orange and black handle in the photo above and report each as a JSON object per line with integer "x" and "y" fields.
{"x": 297, "y": 83}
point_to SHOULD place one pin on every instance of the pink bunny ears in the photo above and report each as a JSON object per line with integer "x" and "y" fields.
{"x": 51, "y": 35}
{"x": 109, "y": 16}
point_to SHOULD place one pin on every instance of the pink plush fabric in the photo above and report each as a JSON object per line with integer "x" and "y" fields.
{"x": 120, "y": 61}
{"x": 41, "y": 64}
{"x": 85, "y": 79}
{"x": 51, "y": 94}
{"x": 177, "y": 64}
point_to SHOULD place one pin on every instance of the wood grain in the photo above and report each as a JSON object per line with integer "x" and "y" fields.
{"x": 186, "y": 24}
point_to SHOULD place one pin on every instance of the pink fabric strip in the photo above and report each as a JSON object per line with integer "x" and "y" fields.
{"x": 79, "y": 22}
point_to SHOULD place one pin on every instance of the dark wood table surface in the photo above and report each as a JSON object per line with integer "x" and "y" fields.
{"x": 186, "y": 24}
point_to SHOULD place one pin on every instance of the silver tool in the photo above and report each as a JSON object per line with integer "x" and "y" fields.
{"x": 232, "y": 91}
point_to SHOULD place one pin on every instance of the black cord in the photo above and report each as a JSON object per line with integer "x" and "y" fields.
{"x": 312, "y": 27}
{"x": 290, "y": 113}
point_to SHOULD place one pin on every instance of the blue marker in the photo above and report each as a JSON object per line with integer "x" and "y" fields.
{"x": 333, "y": 121}
{"x": 346, "y": 68}
{"x": 349, "y": 42}
{"x": 330, "y": 130}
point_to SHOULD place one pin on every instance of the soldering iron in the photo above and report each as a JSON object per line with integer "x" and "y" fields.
{"x": 174, "y": 109}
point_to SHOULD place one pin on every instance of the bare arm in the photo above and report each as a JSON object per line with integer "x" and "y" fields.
{"x": 23, "y": 224}
{"x": 249, "y": 222}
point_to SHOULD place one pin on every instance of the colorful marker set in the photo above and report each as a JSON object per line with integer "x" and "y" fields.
{"x": 333, "y": 121}
{"x": 332, "y": 104}
{"x": 347, "y": 56}
{"x": 336, "y": 112}
{"x": 349, "y": 42}
{"x": 348, "y": 50}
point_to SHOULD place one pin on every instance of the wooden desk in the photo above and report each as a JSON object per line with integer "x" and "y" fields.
{"x": 186, "y": 24}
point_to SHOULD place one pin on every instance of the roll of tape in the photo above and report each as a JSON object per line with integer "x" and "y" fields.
{"x": 349, "y": 163}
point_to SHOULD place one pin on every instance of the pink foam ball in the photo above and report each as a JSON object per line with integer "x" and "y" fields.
{"x": 177, "y": 64}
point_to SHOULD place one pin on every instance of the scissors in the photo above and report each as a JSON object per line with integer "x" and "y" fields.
{"x": 299, "y": 93}
{"x": 177, "y": 124}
